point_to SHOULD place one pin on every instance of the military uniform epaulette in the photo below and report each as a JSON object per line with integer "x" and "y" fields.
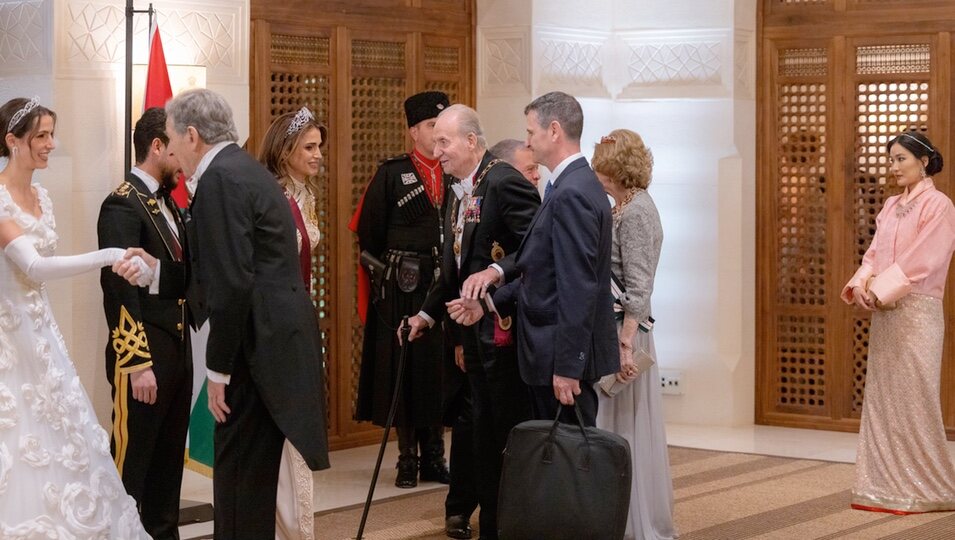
{"x": 124, "y": 189}
{"x": 393, "y": 159}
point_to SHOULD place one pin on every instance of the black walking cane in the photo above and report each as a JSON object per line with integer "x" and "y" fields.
{"x": 402, "y": 356}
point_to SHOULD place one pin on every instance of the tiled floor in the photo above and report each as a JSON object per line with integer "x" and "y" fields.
{"x": 346, "y": 483}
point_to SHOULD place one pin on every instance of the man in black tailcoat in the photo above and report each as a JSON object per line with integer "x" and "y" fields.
{"x": 558, "y": 287}
{"x": 263, "y": 357}
{"x": 488, "y": 216}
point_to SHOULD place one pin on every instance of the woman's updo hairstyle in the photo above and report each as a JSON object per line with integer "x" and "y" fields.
{"x": 920, "y": 146}
{"x": 21, "y": 116}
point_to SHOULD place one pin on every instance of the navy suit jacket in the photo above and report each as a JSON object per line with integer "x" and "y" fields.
{"x": 559, "y": 284}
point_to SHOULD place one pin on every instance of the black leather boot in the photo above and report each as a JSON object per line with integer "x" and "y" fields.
{"x": 434, "y": 468}
{"x": 407, "y": 476}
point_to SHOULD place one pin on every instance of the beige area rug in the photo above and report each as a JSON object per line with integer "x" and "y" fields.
{"x": 719, "y": 496}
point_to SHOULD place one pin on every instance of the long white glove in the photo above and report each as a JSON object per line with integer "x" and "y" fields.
{"x": 38, "y": 268}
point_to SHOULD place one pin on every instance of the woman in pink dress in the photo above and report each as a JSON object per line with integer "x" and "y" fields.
{"x": 902, "y": 464}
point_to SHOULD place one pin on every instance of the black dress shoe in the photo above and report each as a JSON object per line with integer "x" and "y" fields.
{"x": 407, "y": 476}
{"x": 457, "y": 527}
{"x": 435, "y": 470}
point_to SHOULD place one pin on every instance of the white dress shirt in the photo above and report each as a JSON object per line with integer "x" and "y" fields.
{"x": 463, "y": 191}
{"x": 561, "y": 166}
{"x": 153, "y": 185}
{"x": 191, "y": 184}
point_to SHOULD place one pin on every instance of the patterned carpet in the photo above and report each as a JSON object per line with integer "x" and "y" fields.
{"x": 719, "y": 496}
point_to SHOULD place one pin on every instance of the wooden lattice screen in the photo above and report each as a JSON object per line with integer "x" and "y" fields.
{"x": 353, "y": 63}
{"x": 827, "y": 105}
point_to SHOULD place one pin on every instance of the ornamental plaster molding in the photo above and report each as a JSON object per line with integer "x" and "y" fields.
{"x": 744, "y": 66}
{"x": 91, "y": 38}
{"x": 504, "y": 61}
{"x": 677, "y": 64}
{"x": 26, "y": 41}
{"x": 572, "y": 61}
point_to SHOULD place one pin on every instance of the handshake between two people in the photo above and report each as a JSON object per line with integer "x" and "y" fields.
{"x": 137, "y": 267}
{"x": 465, "y": 310}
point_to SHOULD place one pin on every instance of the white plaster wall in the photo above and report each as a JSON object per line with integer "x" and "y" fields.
{"x": 71, "y": 54}
{"x": 680, "y": 73}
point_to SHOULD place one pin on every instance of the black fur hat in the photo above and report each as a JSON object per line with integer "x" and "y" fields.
{"x": 421, "y": 107}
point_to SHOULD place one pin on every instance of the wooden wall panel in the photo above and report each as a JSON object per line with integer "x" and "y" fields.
{"x": 827, "y": 107}
{"x": 355, "y": 76}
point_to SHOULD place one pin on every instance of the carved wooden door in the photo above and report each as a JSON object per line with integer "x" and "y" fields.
{"x": 354, "y": 64}
{"x": 838, "y": 79}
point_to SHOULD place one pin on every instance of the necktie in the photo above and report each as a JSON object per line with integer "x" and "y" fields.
{"x": 164, "y": 196}
{"x": 547, "y": 189}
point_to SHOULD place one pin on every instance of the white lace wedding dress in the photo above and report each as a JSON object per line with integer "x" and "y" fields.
{"x": 57, "y": 478}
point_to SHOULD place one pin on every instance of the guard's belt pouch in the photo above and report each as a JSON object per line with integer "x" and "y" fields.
{"x": 375, "y": 268}
{"x": 409, "y": 274}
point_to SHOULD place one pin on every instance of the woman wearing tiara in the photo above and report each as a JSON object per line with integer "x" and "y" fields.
{"x": 902, "y": 462}
{"x": 291, "y": 150}
{"x": 57, "y": 479}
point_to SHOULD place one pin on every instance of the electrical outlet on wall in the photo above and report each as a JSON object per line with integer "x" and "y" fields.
{"x": 671, "y": 382}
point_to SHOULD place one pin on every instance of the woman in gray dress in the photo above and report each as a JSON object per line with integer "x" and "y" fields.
{"x": 624, "y": 165}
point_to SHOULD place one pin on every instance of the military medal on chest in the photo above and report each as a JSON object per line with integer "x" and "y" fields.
{"x": 472, "y": 209}
{"x": 497, "y": 253}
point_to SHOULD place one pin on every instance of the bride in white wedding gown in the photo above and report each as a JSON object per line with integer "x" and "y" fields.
{"x": 57, "y": 478}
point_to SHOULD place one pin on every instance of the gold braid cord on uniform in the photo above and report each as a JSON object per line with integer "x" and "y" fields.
{"x": 129, "y": 342}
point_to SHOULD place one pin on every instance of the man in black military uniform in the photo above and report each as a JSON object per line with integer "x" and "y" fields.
{"x": 400, "y": 223}
{"x": 148, "y": 353}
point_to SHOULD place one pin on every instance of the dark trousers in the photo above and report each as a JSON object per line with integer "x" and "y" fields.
{"x": 248, "y": 450}
{"x": 152, "y": 453}
{"x": 462, "y": 496}
{"x": 500, "y": 400}
{"x": 429, "y": 439}
{"x": 545, "y": 404}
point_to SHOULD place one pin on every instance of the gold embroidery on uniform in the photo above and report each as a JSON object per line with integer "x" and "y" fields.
{"x": 124, "y": 189}
{"x": 120, "y": 416}
{"x": 129, "y": 339}
{"x": 129, "y": 342}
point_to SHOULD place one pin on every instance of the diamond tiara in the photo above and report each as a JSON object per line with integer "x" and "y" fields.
{"x": 21, "y": 114}
{"x": 302, "y": 117}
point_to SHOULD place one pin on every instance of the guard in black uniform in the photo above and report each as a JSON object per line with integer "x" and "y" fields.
{"x": 400, "y": 223}
{"x": 148, "y": 353}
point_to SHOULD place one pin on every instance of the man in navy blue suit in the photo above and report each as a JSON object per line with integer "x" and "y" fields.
{"x": 559, "y": 284}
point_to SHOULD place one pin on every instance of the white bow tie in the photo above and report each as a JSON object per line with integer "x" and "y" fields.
{"x": 462, "y": 188}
